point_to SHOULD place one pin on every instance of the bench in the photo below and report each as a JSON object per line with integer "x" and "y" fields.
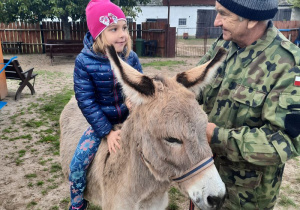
{"x": 12, "y": 47}
{"x": 63, "y": 48}
{"x": 14, "y": 71}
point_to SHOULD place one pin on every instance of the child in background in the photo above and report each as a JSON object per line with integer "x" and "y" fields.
{"x": 97, "y": 91}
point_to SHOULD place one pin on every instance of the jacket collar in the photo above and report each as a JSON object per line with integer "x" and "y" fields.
{"x": 250, "y": 52}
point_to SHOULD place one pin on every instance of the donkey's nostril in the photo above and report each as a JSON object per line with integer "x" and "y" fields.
{"x": 215, "y": 202}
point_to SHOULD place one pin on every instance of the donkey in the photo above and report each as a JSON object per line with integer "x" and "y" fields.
{"x": 162, "y": 141}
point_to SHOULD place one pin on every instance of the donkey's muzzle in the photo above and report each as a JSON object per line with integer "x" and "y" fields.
{"x": 215, "y": 202}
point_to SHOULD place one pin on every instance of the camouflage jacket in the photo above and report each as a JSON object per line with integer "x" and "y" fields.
{"x": 255, "y": 103}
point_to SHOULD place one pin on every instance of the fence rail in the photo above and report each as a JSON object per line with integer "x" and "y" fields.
{"x": 196, "y": 41}
{"x": 33, "y": 36}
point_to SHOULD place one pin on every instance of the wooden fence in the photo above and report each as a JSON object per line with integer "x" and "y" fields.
{"x": 293, "y": 29}
{"x": 159, "y": 31}
{"x": 33, "y": 36}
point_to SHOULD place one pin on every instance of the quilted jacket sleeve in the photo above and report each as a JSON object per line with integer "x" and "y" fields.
{"x": 85, "y": 95}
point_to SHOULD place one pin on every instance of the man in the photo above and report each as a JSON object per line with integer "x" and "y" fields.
{"x": 253, "y": 103}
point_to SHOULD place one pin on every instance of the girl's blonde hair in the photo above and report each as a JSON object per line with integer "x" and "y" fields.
{"x": 101, "y": 43}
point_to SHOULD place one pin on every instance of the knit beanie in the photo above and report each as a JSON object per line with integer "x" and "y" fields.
{"x": 252, "y": 9}
{"x": 100, "y": 14}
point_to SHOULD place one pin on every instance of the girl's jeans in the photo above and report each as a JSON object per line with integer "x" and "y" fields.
{"x": 83, "y": 156}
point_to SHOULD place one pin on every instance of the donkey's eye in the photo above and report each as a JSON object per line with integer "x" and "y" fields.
{"x": 173, "y": 140}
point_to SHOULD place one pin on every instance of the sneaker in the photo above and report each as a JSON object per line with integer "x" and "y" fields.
{"x": 84, "y": 206}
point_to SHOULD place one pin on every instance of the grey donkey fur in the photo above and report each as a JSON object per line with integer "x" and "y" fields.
{"x": 164, "y": 135}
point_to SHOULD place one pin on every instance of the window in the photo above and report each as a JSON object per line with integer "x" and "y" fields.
{"x": 182, "y": 22}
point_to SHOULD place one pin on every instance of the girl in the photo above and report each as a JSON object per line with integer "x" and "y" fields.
{"x": 97, "y": 92}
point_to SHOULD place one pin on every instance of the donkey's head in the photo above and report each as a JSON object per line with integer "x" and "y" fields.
{"x": 170, "y": 127}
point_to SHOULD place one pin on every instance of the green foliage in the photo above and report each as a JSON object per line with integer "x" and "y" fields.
{"x": 286, "y": 201}
{"x": 174, "y": 197}
{"x": 40, "y": 183}
{"x": 31, "y": 204}
{"x": 29, "y": 176}
{"x": 55, "y": 168}
{"x": 32, "y": 11}
{"x": 22, "y": 153}
{"x": 36, "y": 10}
{"x": 295, "y": 3}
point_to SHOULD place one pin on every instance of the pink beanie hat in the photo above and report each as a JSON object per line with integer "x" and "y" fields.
{"x": 100, "y": 14}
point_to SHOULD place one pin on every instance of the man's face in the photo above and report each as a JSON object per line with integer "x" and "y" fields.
{"x": 233, "y": 28}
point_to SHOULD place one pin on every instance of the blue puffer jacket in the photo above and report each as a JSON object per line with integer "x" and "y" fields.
{"x": 97, "y": 91}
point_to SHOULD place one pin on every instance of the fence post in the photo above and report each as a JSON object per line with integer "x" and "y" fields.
{"x": 205, "y": 40}
{"x": 3, "y": 85}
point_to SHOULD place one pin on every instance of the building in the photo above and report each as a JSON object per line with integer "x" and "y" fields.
{"x": 188, "y": 15}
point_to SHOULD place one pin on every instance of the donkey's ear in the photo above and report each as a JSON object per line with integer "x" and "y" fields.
{"x": 197, "y": 78}
{"x": 136, "y": 86}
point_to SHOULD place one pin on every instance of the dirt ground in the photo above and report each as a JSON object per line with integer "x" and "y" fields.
{"x": 27, "y": 178}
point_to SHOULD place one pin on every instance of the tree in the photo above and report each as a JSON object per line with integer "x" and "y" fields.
{"x": 37, "y": 10}
{"x": 295, "y": 9}
{"x": 295, "y": 3}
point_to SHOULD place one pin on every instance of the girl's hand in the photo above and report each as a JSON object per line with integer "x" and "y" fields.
{"x": 112, "y": 140}
{"x": 128, "y": 104}
{"x": 210, "y": 131}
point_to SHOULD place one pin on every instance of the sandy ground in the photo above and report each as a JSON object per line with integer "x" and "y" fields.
{"x": 27, "y": 181}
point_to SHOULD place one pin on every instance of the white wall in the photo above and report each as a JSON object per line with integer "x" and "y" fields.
{"x": 295, "y": 14}
{"x": 176, "y": 12}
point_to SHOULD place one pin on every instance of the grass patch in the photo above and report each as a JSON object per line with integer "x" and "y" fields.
{"x": 22, "y": 153}
{"x": 286, "y": 201}
{"x": 42, "y": 162}
{"x": 55, "y": 168}
{"x": 53, "y": 140}
{"x": 94, "y": 207}
{"x": 7, "y": 131}
{"x": 163, "y": 63}
{"x": 34, "y": 124}
{"x": 54, "y": 186}
{"x": 40, "y": 183}
{"x": 48, "y": 131}
{"x": 55, "y": 105}
{"x": 31, "y": 204}
{"x": 19, "y": 161}
{"x": 194, "y": 41}
{"x": 29, "y": 176}
{"x": 44, "y": 192}
{"x": 174, "y": 197}
{"x": 28, "y": 136}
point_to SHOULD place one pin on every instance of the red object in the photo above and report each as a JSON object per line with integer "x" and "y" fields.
{"x": 297, "y": 81}
{"x": 192, "y": 206}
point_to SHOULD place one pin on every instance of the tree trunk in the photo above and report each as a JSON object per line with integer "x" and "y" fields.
{"x": 66, "y": 27}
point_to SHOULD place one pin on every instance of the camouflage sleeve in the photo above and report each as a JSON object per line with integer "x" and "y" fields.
{"x": 278, "y": 140}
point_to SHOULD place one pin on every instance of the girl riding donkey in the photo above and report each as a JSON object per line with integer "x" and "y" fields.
{"x": 98, "y": 94}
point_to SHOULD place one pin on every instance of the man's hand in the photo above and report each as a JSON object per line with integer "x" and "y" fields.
{"x": 210, "y": 131}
